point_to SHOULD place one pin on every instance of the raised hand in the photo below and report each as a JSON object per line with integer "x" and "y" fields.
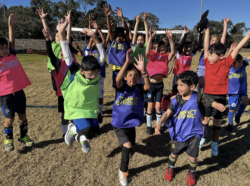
{"x": 111, "y": 23}
{"x": 41, "y": 13}
{"x": 138, "y": 18}
{"x": 12, "y": 18}
{"x": 152, "y": 32}
{"x": 164, "y": 39}
{"x": 169, "y": 33}
{"x": 119, "y": 12}
{"x": 88, "y": 32}
{"x": 145, "y": 16}
{"x": 95, "y": 25}
{"x": 226, "y": 20}
{"x": 29, "y": 51}
{"x": 61, "y": 26}
{"x": 68, "y": 16}
{"x": 107, "y": 10}
{"x": 186, "y": 29}
{"x": 75, "y": 44}
{"x": 233, "y": 46}
{"x": 118, "y": 24}
{"x": 128, "y": 55}
{"x": 140, "y": 62}
{"x": 46, "y": 34}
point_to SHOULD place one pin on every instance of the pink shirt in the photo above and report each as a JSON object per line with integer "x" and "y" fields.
{"x": 12, "y": 76}
{"x": 157, "y": 64}
{"x": 183, "y": 63}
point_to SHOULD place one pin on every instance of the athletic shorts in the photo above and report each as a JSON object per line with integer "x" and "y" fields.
{"x": 87, "y": 126}
{"x": 125, "y": 135}
{"x": 101, "y": 87}
{"x": 154, "y": 93}
{"x": 234, "y": 100}
{"x": 12, "y": 103}
{"x": 210, "y": 111}
{"x": 191, "y": 147}
{"x": 60, "y": 104}
{"x": 201, "y": 71}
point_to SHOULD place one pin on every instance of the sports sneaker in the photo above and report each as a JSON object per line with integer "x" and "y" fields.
{"x": 69, "y": 136}
{"x": 237, "y": 118}
{"x": 214, "y": 146}
{"x": 9, "y": 146}
{"x": 123, "y": 177}
{"x": 191, "y": 178}
{"x": 229, "y": 127}
{"x": 85, "y": 146}
{"x": 149, "y": 131}
{"x": 202, "y": 142}
{"x": 99, "y": 118}
{"x": 26, "y": 140}
{"x": 169, "y": 174}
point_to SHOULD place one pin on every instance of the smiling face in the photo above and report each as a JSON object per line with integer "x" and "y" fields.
{"x": 140, "y": 41}
{"x": 57, "y": 38}
{"x": 4, "y": 50}
{"x": 119, "y": 37}
{"x": 132, "y": 77}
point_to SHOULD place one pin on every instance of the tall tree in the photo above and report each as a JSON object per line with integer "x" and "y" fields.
{"x": 86, "y": 3}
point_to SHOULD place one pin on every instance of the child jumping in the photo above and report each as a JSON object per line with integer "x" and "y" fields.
{"x": 157, "y": 69}
{"x": 128, "y": 109}
{"x": 13, "y": 81}
{"x": 185, "y": 127}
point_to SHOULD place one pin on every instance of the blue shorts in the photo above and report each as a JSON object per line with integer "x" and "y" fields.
{"x": 88, "y": 127}
{"x": 234, "y": 100}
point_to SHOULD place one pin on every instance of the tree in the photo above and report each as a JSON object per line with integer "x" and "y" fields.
{"x": 86, "y": 3}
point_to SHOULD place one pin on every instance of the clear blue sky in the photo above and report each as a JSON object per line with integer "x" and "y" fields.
{"x": 176, "y": 12}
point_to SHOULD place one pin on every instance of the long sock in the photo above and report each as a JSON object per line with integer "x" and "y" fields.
{"x": 216, "y": 131}
{"x": 23, "y": 128}
{"x": 171, "y": 161}
{"x": 204, "y": 126}
{"x": 149, "y": 120}
{"x": 125, "y": 159}
{"x": 158, "y": 117}
{"x": 100, "y": 106}
{"x": 8, "y": 131}
{"x": 230, "y": 117}
{"x": 65, "y": 124}
{"x": 241, "y": 109}
{"x": 192, "y": 166}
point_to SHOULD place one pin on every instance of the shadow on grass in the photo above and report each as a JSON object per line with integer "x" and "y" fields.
{"x": 25, "y": 150}
{"x": 106, "y": 128}
{"x": 43, "y": 144}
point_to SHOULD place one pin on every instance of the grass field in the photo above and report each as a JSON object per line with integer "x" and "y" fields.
{"x": 52, "y": 162}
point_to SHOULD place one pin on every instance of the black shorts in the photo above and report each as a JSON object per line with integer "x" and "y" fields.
{"x": 12, "y": 103}
{"x": 125, "y": 135}
{"x": 60, "y": 104}
{"x": 210, "y": 111}
{"x": 154, "y": 93}
{"x": 191, "y": 147}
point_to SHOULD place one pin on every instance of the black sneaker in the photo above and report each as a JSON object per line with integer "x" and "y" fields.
{"x": 149, "y": 131}
{"x": 229, "y": 127}
{"x": 237, "y": 118}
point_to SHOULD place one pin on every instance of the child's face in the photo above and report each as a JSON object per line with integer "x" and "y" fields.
{"x": 213, "y": 58}
{"x": 213, "y": 40}
{"x": 57, "y": 38}
{"x": 140, "y": 41}
{"x": 161, "y": 49}
{"x": 4, "y": 50}
{"x": 238, "y": 64}
{"x": 184, "y": 89}
{"x": 132, "y": 78}
{"x": 119, "y": 37}
{"x": 91, "y": 75}
{"x": 186, "y": 49}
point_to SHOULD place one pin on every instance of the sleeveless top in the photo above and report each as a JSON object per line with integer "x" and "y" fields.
{"x": 237, "y": 81}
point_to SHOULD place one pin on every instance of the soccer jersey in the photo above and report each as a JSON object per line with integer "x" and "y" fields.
{"x": 237, "y": 81}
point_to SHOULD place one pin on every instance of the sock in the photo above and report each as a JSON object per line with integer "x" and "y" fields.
{"x": 204, "y": 126}
{"x": 64, "y": 128}
{"x": 125, "y": 159}
{"x": 158, "y": 117}
{"x": 65, "y": 124}
{"x": 192, "y": 166}
{"x": 73, "y": 130}
{"x": 171, "y": 161}
{"x": 83, "y": 138}
{"x": 241, "y": 109}
{"x": 149, "y": 119}
{"x": 216, "y": 131}
{"x": 23, "y": 128}
{"x": 100, "y": 106}
{"x": 8, "y": 132}
{"x": 230, "y": 117}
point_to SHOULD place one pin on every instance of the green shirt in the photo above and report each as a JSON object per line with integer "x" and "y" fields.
{"x": 56, "y": 47}
{"x": 140, "y": 50}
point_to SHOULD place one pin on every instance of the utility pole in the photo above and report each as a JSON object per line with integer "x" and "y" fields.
{"x": 200, "y": 15}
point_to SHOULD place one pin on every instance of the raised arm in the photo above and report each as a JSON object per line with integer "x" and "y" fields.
{"x": 50, "y": 52}
{"x": 43, "y": 16}
{"x": 130, "y": 34}
{"x": 68, "y": 17}
{"x": 119, "y": 14}
{"x": 136, "y": 29}
{"x": 224, "y": 35}
{"x": 145, "y": 18}
{"x": 151, "y": 35}
{"x": 95, "y": 26}
{"x": 79, "y": 53}
{"x": 197, "y": 47}
{"x": 107, "y": 10}
{"x": 206, "y": 41}
{"x": 180, "y": 48}
{"x": 121, "y": 73}
{"x": 11, "y": 22}
{"x": 171, "y": 43}
{"x": 240, "y": 45}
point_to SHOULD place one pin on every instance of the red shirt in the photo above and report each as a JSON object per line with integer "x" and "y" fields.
{"x": 216, "y": 76}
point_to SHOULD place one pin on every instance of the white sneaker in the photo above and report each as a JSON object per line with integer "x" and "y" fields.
{"x": 214, "y": 146}
{"x": 123, "y": 181}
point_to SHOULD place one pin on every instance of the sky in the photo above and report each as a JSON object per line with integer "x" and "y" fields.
{"x": 175, "y": 12}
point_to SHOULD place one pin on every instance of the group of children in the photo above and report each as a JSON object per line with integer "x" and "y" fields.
{"x": 138, "y": 73}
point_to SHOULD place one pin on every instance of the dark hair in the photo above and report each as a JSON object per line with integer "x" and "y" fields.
{"x": 3, "y": 41}
{"x": 189, "y": 78}
{"x": 218, "y": 49}
{"x": 130, "y": 67}
{"x": 187, "y": 43}
{"x": 141, "y": 34}
{"x": 174, "y": 90}
{"x": 162, "y": 43}
{"x": 119, "y": 30}
{"x": 90, "y": 63}
{"x": 238, "y": 57}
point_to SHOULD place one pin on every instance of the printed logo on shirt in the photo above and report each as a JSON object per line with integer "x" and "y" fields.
{"x": 237, "y": 75}
{"x": 186, "y": 114}
{"x": 118, "y": 46}
{"x": 233, "y": 105}
{"x": 8, "y": 65}
{"x": 127, "y": 101}
{"x": 64, "y": 70}
{"x": 173, "y": 146}
{"x": 149, "y": 95}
